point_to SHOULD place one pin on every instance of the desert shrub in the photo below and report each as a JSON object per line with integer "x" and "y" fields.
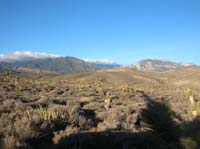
{"x": 6, "y": 106}
{"x": 6, "y": 125}
{"x": 25, "y": 129}
{"x": 15, "y": 127}
{"x": 74, "y": 112}
{"x": 9, "y": 142}
{"x": 188, "y": 143}
{"x": 77, "y": 116}
{"x": 33, "y": 117}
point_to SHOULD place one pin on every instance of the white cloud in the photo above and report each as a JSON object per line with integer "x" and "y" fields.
{"x": 100, "y": 61}
{"x": 25, "y": 55}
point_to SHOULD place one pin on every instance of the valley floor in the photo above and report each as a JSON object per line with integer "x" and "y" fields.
{"x": 119, "y": 109}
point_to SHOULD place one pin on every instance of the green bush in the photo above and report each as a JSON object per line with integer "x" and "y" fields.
{"x": 188, "y": 143}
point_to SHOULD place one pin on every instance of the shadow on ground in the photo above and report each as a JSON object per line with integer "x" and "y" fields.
{"x": 163, "y": 133}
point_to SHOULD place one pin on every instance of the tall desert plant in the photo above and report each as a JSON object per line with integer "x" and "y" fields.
{"x": 190, "y": 93}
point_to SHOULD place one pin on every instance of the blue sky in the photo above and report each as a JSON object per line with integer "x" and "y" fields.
{"x": 122, "y": 30}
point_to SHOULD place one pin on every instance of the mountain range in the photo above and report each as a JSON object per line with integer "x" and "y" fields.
{"x": 59, "y": 65}
{"x": 74, "y": 65}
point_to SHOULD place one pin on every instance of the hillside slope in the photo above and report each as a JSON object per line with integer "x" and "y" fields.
{"x": 59, "y": 65}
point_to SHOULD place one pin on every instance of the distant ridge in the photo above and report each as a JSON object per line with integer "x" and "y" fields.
{"x": 60, "y": 65}
{"x": 158, "y": 65}
{"x": 103, "y": 63}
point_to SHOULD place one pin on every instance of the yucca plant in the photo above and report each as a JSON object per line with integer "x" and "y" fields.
{"x": 194, "y": 108}
{"x": 49, "y": 113}
{"x": 107, "y": 102}
{"x": 190, "y": 93}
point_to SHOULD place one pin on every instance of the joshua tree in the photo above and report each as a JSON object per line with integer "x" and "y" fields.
{"x": 8, "y": 75}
